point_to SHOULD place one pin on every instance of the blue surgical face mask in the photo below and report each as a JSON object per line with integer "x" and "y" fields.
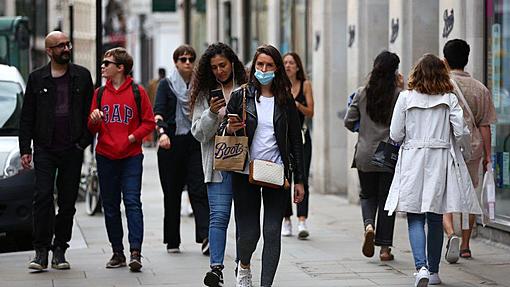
{"x": 264, "y": 78}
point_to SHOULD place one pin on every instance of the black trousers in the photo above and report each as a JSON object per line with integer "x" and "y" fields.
{"x": 182, "y": 165}
{"x": 374, "y": 191}
{"x": 247, "y": 203}
{"x": 65, "y": 168}
{"x": 302, "y": 207}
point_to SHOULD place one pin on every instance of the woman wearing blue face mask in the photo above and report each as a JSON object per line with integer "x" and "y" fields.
{"x": 274, "y": 134}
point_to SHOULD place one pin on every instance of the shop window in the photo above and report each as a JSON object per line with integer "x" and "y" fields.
{"x": 498, "y": 81}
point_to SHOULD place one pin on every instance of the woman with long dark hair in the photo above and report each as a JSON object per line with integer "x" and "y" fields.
{"x": 372, "y": 106}
{"x": 303, "y": 98}
{"x": 218, "y": 68}
{"x": 274, "y": 134}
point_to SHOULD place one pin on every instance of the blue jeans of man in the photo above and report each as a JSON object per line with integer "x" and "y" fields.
{"x": 122, "y": 179}
{"x": 432, "y": 242}
{"x": 220, "y": 196}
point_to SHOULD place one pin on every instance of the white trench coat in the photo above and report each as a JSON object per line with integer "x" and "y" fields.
{"x": 430, "y": 175}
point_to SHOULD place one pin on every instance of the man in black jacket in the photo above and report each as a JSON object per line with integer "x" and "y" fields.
{"x": 54, "y": 116}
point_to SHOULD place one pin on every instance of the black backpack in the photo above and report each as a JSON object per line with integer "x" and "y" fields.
{"x": 136, "y": 93}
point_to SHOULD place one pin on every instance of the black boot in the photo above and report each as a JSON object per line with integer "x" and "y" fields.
{"x": 40, "y": 261}
{"x": 59, "y": 260}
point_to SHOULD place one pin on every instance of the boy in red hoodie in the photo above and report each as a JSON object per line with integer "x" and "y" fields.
{"x": 122, "y": 116}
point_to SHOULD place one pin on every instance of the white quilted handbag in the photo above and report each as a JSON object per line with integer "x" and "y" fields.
{"x": 267, "y": 174}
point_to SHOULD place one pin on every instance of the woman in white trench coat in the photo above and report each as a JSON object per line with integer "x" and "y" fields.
{"x": 431, "y": 177}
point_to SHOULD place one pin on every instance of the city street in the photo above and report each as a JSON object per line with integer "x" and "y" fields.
{"x": 332, "y": 256}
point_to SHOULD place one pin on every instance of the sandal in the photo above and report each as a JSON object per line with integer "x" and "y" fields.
{"x": 385, "y": 254}
{"x": 368, "y": 242}
{"x": 465, "y": 253}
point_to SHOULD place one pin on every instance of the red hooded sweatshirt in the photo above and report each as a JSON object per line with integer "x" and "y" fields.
{"x": 120, "y": 119}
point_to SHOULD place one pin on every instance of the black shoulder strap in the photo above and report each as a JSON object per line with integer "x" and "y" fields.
{"x": 138, "y": 100}
{"x": 99, "y": 97}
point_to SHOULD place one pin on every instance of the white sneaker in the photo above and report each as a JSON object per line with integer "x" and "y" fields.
{"x": 422, "y": 277}
{"x": 302, "y": 230}
{"x": 452, "y": 249}
{"x": 286, "y": 228}
{"x": 243, "y": 277}
{"x": 434, "y": 279}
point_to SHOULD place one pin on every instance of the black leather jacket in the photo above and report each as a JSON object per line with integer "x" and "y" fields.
{"x": 38, "y": 111}
{"x": 286, "y": 126}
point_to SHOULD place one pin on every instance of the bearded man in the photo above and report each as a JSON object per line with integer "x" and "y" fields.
{"x": 54, "y": 119}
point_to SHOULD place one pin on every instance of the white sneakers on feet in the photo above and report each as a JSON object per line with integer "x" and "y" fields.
{"x": 302, "y": 230}
{"x": 286, "y": 228}
{"x": 243, "y": 277}
{"x": 452, "y": 249}
{"x": 434, "y": 279}
{"x": 422, "y": 277}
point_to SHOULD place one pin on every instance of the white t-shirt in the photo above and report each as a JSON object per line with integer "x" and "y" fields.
{"x": 264, "y": 144}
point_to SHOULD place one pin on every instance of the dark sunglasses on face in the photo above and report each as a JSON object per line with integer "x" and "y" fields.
{"x": 61, "y": 46}
{"x": 186, "y": 59}
{"x": 106, "y": 63}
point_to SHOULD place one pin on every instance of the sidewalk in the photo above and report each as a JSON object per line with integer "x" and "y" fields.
{"x": 332, "y": 257}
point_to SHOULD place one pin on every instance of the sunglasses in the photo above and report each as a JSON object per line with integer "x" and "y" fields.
{"x": 186, "y": 59}
{"x": 62, "y": 46}
{"x": 106, "y": 63}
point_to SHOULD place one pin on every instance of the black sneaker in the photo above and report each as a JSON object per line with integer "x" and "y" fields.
{"x": 40, "y": 261}
{"x": 205, "y": 246}
{"x": 118, "y": 260}
{"x": 214, "y": 278}
{"x": 59, "y": 260}
{"x": 135, "y": 261}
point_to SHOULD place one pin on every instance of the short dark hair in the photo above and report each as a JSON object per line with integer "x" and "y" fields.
{"x": 456, "y": 52}
{"x": 122, "y": 57}
{"x": 184, "y": 50}
{"x": 162, "y": 72}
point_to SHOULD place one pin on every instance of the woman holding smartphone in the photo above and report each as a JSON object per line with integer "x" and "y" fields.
{"x": 218, "y": 73}
{"x": 274, "y": 134}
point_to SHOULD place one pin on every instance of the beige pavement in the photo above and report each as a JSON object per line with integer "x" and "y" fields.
{"x": 331, "y": 257}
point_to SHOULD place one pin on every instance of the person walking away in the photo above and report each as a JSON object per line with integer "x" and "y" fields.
{"x": 303, "y": 98}
{"x": 218, "y": 68}
{"x": 151, "y": 91}
{"x": 373, "y": 108}
{"x": 121, "y": 115}
{"x": 479, "y": 101}
{"x": 274, "y": 134}
{"x": 179, "y": 155}
{"x": 54, "y": 119}
{"x": 431, "y": 177}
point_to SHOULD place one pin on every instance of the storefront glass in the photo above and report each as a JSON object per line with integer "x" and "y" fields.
{"x": 498, "y": 81}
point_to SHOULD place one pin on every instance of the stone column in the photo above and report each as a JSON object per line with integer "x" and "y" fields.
{"x": 466, "y": 24}
{"x": 367, "y": 32}
{"x": 328, "y": 171}
{"x": 413, "y": 27}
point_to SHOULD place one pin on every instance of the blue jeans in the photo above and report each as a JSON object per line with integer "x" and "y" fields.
{"x": 118, "y": 179}
{"x": 434, "y": 239}
{"x": 220, "y": 203}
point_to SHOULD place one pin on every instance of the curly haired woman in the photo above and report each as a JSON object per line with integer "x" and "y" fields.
{"x": 218, "y": 68}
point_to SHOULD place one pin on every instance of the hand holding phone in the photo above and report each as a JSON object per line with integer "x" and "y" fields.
{"x": 218, "y": 93}
{"x": 235, "y": 123}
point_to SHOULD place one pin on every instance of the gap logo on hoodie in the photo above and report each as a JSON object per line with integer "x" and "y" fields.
{"x": 114, "y": 115}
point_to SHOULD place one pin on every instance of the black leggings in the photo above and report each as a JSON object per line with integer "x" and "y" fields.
{"x": 247, "y": 203}
{"x": 374, "y": 191}
{"x": 302, "y": 207}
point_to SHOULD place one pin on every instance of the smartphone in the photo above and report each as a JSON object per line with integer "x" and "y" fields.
{"x": 218, "y": 93}
{"x": 235, "y": 116}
